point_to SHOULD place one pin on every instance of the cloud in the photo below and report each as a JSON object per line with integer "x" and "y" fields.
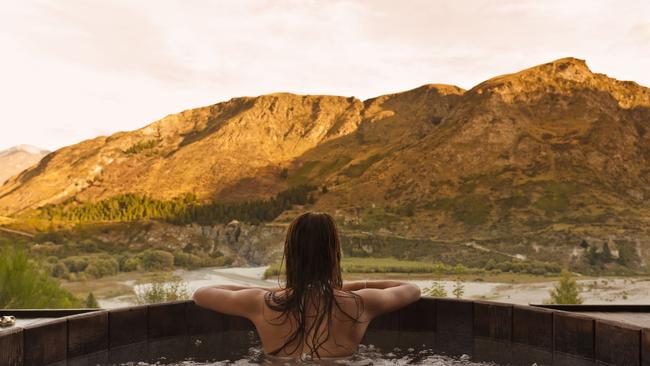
{"x": 119, "y": 65}
{"x": 641, "y": 31}
{"x": 105, "y": 35}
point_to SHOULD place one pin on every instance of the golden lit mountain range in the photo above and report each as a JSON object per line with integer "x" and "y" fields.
{"x": 550, "y": 148}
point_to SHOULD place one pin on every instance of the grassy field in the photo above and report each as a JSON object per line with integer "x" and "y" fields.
{"x": 511, "y": 278}
{"x": 112, "y": 286}
{"x": 391, "y": 266}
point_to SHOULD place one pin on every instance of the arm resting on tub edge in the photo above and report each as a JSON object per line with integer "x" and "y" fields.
{"x": 231, "y": 299}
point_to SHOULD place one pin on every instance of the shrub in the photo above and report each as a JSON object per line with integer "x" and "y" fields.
{"x": 102, "y": 266}
{"x": 157, "y": 292}
{"x": 46, "y": 249}
{"x": 76, "y": 263}
{"x": 59, "y": 270}
{"x": 156, "y": 260}
{"x": 556, "y": 197}
{"x": 49, "y": 236}
{"x": 188, "y": 260}
{"x": 141, "y": 146}
{"x": 471, "y": 209}
{"x": 627, "y": 254}
{"x": 528, "y": 266}
{"x": 131, "y": 264}
{"x": 458, "y": 290}
{"x": 386, "y": 265}
{"x": 436, "y": 290}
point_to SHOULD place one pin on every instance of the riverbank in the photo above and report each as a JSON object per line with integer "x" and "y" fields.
{"x": 118, "y": 291}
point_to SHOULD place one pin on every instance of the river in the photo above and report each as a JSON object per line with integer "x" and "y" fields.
{"x": 594, "y": 290}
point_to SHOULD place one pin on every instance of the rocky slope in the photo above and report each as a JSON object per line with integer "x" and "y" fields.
{"x": 243, "y": 243}
{"x": 18, "y": 158}
{"x": 554, "y": 141}
{"x": 229, "y": 151}
{"x": 548, "y": 155}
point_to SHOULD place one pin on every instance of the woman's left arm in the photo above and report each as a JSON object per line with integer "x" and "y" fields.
{"x": 354, "y": 286}
{"x": 231, "y": 299}
{"x": 237, "y": 287}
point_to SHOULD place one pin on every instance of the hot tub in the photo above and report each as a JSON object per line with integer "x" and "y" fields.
{"x": 483, "y": 331}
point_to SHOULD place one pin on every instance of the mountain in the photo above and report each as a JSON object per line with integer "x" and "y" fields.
{"x": 546, "y": 157}
{"x": 18, "y": 158}
{"x": 551, "y": 142}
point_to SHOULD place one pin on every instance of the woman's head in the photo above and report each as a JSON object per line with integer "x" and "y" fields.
{"x": 312, "y": 252}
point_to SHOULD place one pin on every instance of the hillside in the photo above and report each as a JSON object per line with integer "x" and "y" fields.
{"x": 18, "y": 158}
{"x": 549, "y": 143}
{"x": 530, "y": 163}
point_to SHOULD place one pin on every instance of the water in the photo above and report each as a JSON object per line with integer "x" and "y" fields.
{"x": 244, "y": 349}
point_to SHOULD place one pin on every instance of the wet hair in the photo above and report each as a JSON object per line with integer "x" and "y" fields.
{"x": 312, "y": 254}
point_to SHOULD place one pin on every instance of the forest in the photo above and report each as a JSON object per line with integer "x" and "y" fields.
{"x": 181, "y": 210}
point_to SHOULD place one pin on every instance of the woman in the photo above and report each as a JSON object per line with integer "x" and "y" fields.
{"x": 314, "y": 315}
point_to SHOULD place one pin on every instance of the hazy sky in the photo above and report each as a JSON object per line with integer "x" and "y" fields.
{"x": 74, "y": 69}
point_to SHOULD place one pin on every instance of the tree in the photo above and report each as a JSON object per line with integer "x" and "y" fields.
{"x": 436, "y": 290}
{"x": 459, "y": 289}
{"x": 24, "y": 284}
{"x": 627, "y": 254}
{"x": 566, "y": 291}
{"x": 593, "y": 257}
{"x": 182, "y": 209}
{"x": 91, "y": 301}
{"x": 606, "y": 255}
{"x": 490, "y": 264}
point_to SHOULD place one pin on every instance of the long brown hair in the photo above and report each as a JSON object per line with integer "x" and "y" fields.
{"x": 312, "y": 253}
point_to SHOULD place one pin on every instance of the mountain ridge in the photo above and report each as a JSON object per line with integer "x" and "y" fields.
{"x": 548, "y": 154}
{"x": 31, "y": 149}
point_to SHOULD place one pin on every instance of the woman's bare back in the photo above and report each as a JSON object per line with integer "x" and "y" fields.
{"x": 377, "y": 297}
{"x": 348, "y": 326}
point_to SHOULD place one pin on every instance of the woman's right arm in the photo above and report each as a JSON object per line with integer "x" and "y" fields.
{"x": 381, "y": 297}
{"x": 360, "y": 285}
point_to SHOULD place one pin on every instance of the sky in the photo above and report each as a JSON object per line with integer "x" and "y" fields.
{"x": 76, "y": 69}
